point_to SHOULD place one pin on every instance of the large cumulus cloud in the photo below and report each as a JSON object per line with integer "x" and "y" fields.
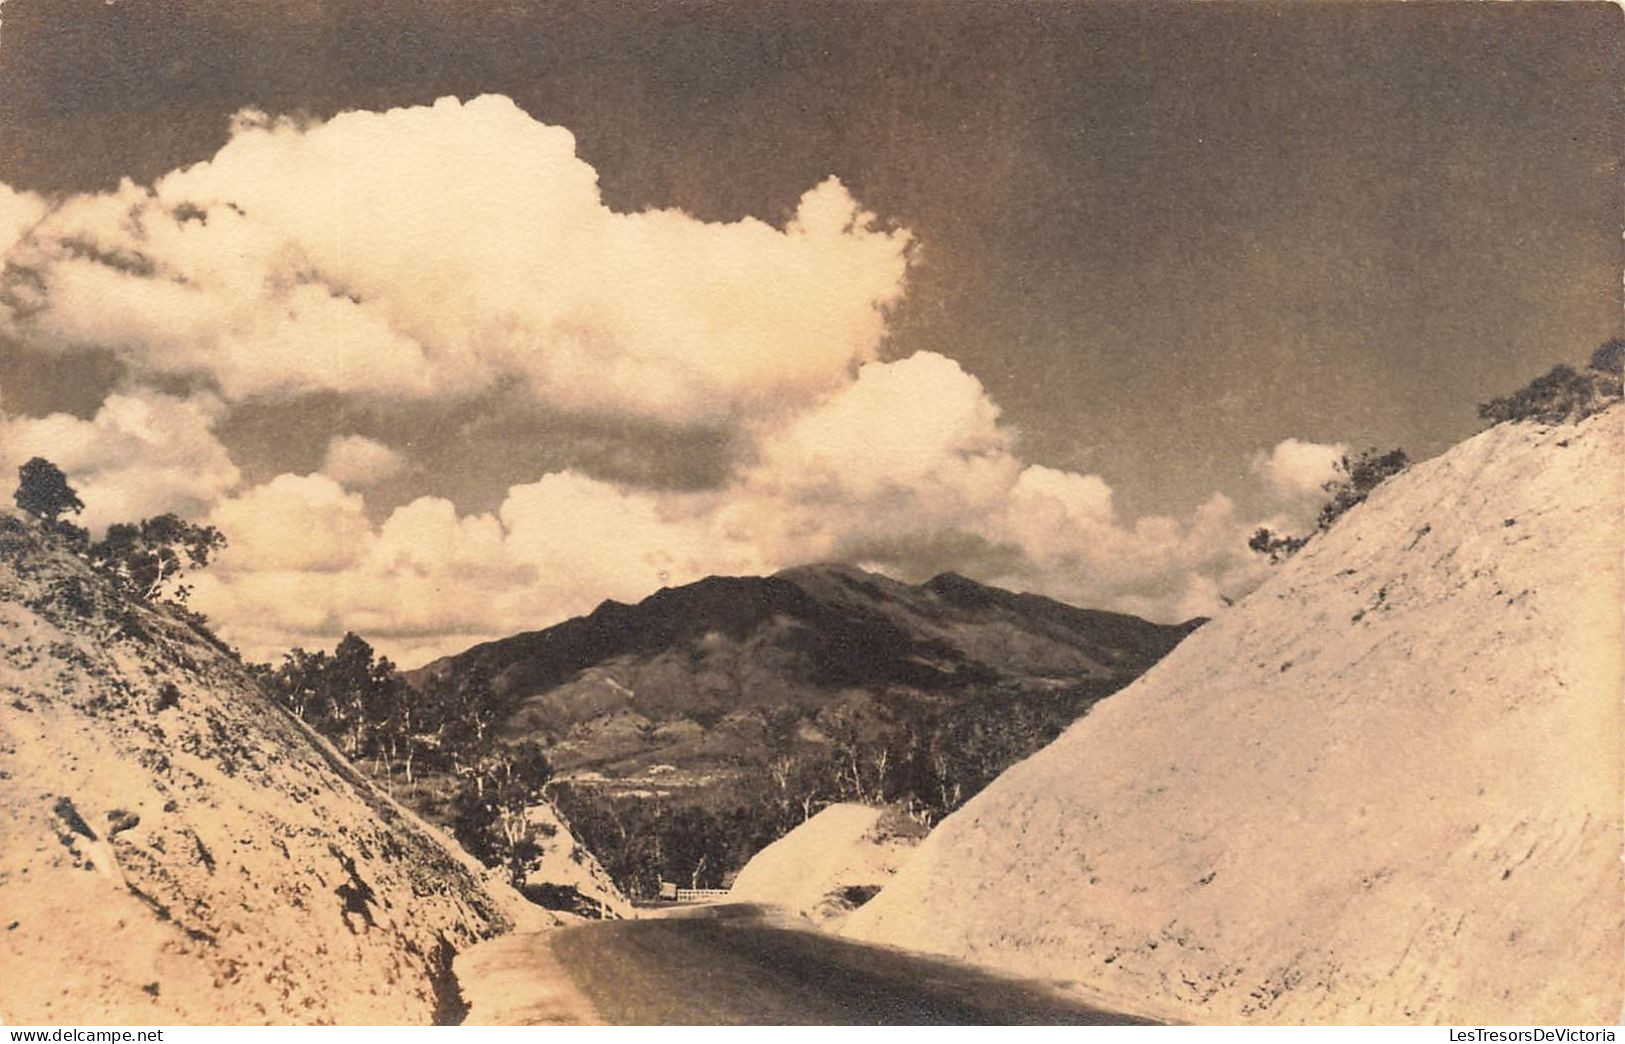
{"x": 431, "y": 251}
{"x": 438, "y": 253}
{"x": 907, "y": 469}
{"x": 1296, "y": 469}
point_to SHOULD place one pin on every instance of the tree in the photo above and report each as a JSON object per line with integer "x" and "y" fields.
{"x": 43, "y": 491}
{"x": 491, "y": 815}
{"x": 1609, "y": 358}
{"x": 1361, "y": 475}
{"x": 468, "y": 709}
{"x": 362, "y": 690}
{"x": 1564, "y": 393}
{"x": 144, "y": 557}
{"x": 1358, "y": 476}
{"x": 298, "y": 684}
{"x": 1279, "y": 548}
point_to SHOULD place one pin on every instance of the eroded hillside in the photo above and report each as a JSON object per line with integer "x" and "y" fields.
{"x": 177, "y": 849}
{"x": 1383, "y": 788}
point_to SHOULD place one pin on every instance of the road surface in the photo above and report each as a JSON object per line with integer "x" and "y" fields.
{"x": 727, "y": 965}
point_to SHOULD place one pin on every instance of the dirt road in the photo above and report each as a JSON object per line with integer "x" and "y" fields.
{"x": 728, "y": 965}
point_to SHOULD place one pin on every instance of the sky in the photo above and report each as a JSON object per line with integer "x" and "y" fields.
{"x": 459, "y": 319}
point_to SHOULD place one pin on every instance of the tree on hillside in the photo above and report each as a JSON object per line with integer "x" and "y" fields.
{"x": 1278, "y": 548}
{"x": 1360, "y": 475}
{"x": 143, "y": 558}
{"x": 1564, "y": 393}
{"x": 491, "y": 812}
{"x": 1609, "y": 357}
{"x": 348, "y": 695}
{"x": 1356, "y": 477}
{"x": 359, "y": 700}
{"x": 43, "y": 491}
{"x": 469, "y": 709}
{"x": 299, "y": 684}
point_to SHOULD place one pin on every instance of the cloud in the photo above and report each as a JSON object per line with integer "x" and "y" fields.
{"x": 355, "y": 460}
{"x": 434, "y": 251}
{"x": 142, "y": 454}
{"x": 910, "y": 470}
{"x": 19, "y": 211}
{"x": 303, "y": 564}
{"x": 1295, "y": 469}
{"x": 906, "y": 469}
{"x": 437, "y": 257}
{"x": 911, "y": 447}
{"x": 306, "y": 523}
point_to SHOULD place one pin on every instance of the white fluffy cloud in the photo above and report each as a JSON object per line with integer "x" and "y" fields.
{"x": 431, "y": 251}
{"x": 908, "y": 457}
{"x": 303, "y": 564}
{"x": 1296, "y": 469}
{"x": 441, "y": 252}
{"x": 304, "y": 523}
{"x": 142, "y": 454}
{"x": 19, "y": 211}
{"x": 355, "y": 460}
{"x": 907, "y": 448}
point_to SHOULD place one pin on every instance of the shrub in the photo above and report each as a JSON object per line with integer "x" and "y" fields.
{"x": 145, "y": 558}
{"x": 1358, "y": 477}
{"x": 1610, "y": 357}
{"x": 1361, "y": 475}
{"x": 1279, "y": 548}
{"x": 1563, "y": 393}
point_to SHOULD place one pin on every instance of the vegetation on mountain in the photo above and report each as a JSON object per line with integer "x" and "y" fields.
{"x": 438, "y": 748}
{"x": 145, "y": 560}
{"x": 941, "y": 757}
{"x": 359, "y": 701}
{"x": 1560, "y": 395}
{"x": 1564, "y": 393}
{"x": 1356, "y": 477}
{"x": 690, "y": 730}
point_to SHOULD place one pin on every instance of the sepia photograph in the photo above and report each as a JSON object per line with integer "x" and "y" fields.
{"x": 859, "y": 513}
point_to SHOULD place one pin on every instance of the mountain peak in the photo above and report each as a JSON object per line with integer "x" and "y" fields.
{"x": 805, "y": 638}
{"x": 962, "y": 589}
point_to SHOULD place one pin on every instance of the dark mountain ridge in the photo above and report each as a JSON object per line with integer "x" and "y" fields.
{"x": 691, "y": 729}
{"x": 722, "y": 651}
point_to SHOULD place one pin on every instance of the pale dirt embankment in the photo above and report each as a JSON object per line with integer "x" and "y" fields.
{"x": 1385, "y": 787}
{"x": 177, "y": 849}
{"x": 823, "y": 868}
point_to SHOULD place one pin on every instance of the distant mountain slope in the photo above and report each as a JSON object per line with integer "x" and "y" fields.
{"x": 1386, "y": 787}
{"x": 694, "y": 674}
{"x": 174, "y": 848}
